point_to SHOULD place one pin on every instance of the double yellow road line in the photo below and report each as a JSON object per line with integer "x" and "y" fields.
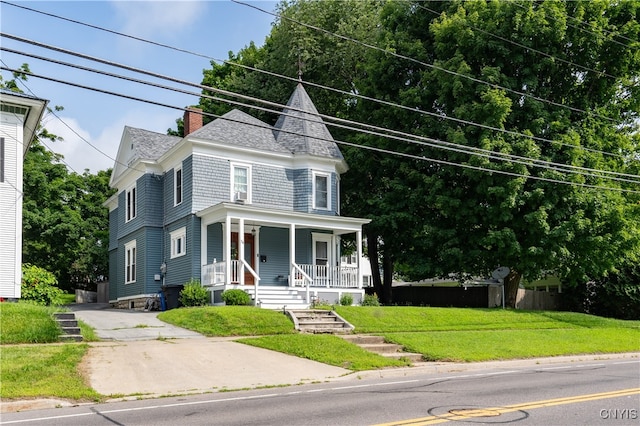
{"x": 462, "y": 414}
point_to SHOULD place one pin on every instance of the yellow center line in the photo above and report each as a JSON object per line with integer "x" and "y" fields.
{"x": 461, "y": 414}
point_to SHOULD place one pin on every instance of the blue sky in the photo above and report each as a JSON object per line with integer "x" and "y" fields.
{"x": 211, "y": 28}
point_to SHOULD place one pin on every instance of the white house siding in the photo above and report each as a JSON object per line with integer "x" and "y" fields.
{"x": 11, "y": 207}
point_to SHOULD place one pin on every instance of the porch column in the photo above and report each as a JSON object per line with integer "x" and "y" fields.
{"x": 227, "y": 249}
{"x": 292, "y": 251}
{"x": 359, "y": 257}
{"x": 203, "y": 247}
{"x": 241, "y": 249}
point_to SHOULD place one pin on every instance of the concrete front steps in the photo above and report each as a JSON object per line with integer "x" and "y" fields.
{"x": 274, "y": 297}
{"x": 319, "y": 321}
{"x": 69, "y": 325}
{"x": 377, "y": 345}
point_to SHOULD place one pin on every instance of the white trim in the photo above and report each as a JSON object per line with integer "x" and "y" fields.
{"x": 233, "y": 192}
{"x": 314, "y": 185}
{"x": 178, "y": 242}
{"x": 130, "y": 254}
{"x": 175, "y": 185}
{"x": 130, "y": 203}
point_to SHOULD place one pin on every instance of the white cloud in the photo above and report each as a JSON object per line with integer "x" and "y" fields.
{"x": 83, "y": 151}
{"x": 150, "y": 18}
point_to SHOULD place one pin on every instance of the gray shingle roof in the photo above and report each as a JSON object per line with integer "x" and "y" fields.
{"x": 304, "y": 132}
{"x": 150, "y": 145}
{"x": 240, "y": 129}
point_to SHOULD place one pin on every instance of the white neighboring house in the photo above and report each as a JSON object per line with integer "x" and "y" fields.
{"x": 19, "y": 118}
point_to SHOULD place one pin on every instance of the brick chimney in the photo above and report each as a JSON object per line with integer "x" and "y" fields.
{"x": 192, "y": 120}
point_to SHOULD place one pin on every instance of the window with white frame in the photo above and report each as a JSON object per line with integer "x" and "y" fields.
{"x": 130, "y": 201}
{"x": 241, "y": 182}
{"x": 177, "y": 185}
{"x": 321, "y": 191}
{"x": 178, "y": 242}
{"x": 130, "y": 254}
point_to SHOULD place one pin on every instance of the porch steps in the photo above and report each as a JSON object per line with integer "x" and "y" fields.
{"x": 377, "y": 345}
{"x": 273, "y": 297}
{"x": 319, "y": 321}
{"x": 69, "y": 326}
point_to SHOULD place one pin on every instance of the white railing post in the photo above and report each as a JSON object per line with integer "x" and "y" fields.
{"x": 359, "y": 275}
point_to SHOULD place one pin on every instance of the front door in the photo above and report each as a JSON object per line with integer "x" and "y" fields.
{"x": 322, "y": 259}
{"x": 249, "y": 254}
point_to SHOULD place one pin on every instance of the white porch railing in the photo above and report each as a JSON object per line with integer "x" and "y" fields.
{"x": 301, "y": 275}
{"x": 325, "y": 276}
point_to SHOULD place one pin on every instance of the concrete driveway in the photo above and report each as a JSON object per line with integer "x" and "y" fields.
{"x": 126, "y": 325}
{"x": 141, "y": 355}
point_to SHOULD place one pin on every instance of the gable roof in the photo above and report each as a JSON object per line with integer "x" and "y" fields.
{"x": 301, "y": 129}
{"x": 240, "y": 129}
{"x": 148, "y": 145}
{"x": 31, "y": 107}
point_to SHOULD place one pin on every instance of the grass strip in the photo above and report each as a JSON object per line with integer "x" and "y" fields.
{"x": 230, "y": 320}
{"x": 486, "y": 345}
{"x": 27, "y": 323}
{"x": 44, "y": 371}
{"x": 390, "y": 319}
{"x": 327, "y": 349}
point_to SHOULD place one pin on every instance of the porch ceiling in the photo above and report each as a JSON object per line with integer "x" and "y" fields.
{"x": 281, "y": 218}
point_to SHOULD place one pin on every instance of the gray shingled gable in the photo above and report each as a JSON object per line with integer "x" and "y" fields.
{"x": 150, "y": 145}
{"x": 240, "y": 129}
{"x": 304, "y": 132}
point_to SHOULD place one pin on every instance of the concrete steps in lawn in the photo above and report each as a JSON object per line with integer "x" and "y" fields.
{"x": 284, "y": 298}
{"x": 69, "y": 326}
{"x": 377, "y": 345}
{"x": 319, "y": 321}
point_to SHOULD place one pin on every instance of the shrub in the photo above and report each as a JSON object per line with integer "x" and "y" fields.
{"x": 236, "y": 297}
{"x": 346, "y": 299}
{"x": 193, "y": 294}
{"x": 39, "y": 286}
{"x": 370, "y": 300}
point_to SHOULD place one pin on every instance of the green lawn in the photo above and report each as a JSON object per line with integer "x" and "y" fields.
{"x": 31, "y": 364}
{"x": 41, "y": 369}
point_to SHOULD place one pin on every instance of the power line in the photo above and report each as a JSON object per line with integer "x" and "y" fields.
{"x": 346, "y": 124}
{"x": 351, "y": 94}
{"x": 381, "y": 150}
{"x": 424, "y": 64}
{"x": 253, "y": 99}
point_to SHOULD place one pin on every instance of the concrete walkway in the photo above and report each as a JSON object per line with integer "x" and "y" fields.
{"x": 139, "y": 354}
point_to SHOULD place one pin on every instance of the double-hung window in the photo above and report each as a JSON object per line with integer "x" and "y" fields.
{"x": 241, "y": 182}
{"x": 130, "y": 262}
{"x": 178, "y": 242}
{"x": 130, "y": 203}
{"x": 321, "y": 191}
{"x": 177, "y": 183}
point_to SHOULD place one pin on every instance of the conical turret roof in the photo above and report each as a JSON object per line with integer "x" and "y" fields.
{"x": 301, "y": 129}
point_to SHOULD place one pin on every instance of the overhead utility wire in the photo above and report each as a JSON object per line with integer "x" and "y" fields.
{"x": 405, "y": 137}
{"x": 352, "y": 94}
{"x": 424, "y": 64}
{"x": 232, "y": 94}
{"x": 381, "y": 150}
{"x": 600, "y": 73}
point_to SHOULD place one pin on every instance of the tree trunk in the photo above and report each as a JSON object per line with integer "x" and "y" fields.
{"x": 387, "y": 296}
{"x": 372, "y": 251}
{"x": 511, "y": 284}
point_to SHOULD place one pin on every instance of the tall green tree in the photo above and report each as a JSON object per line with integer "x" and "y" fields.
{"x": 555, "y": 81}
{"x": 530, "y": 68}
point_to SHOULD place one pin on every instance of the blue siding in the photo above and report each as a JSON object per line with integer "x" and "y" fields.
{"x": 302, "y": 190}
{"x": 138, "y": 286}
{"x": 304, "y": 241}
{"x": 114, "y": 284}
{"x": 214, "y": 243}
{"x": 150, "y": 200}
{"x": 113, "y": 229}
{"x": 181, "y": 269}
{"x": 211, "y": 182}
{"x": 153, "y": 259}
{"x": 274, "y": 244}
{"x": 273, "y": 187}
{"x": 171, "y": 211}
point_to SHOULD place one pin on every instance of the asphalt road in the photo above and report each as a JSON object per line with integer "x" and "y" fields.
{"x": 600, "y": 392}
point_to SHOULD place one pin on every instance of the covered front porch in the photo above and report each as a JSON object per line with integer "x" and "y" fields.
{"x": 287, "y": 257}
